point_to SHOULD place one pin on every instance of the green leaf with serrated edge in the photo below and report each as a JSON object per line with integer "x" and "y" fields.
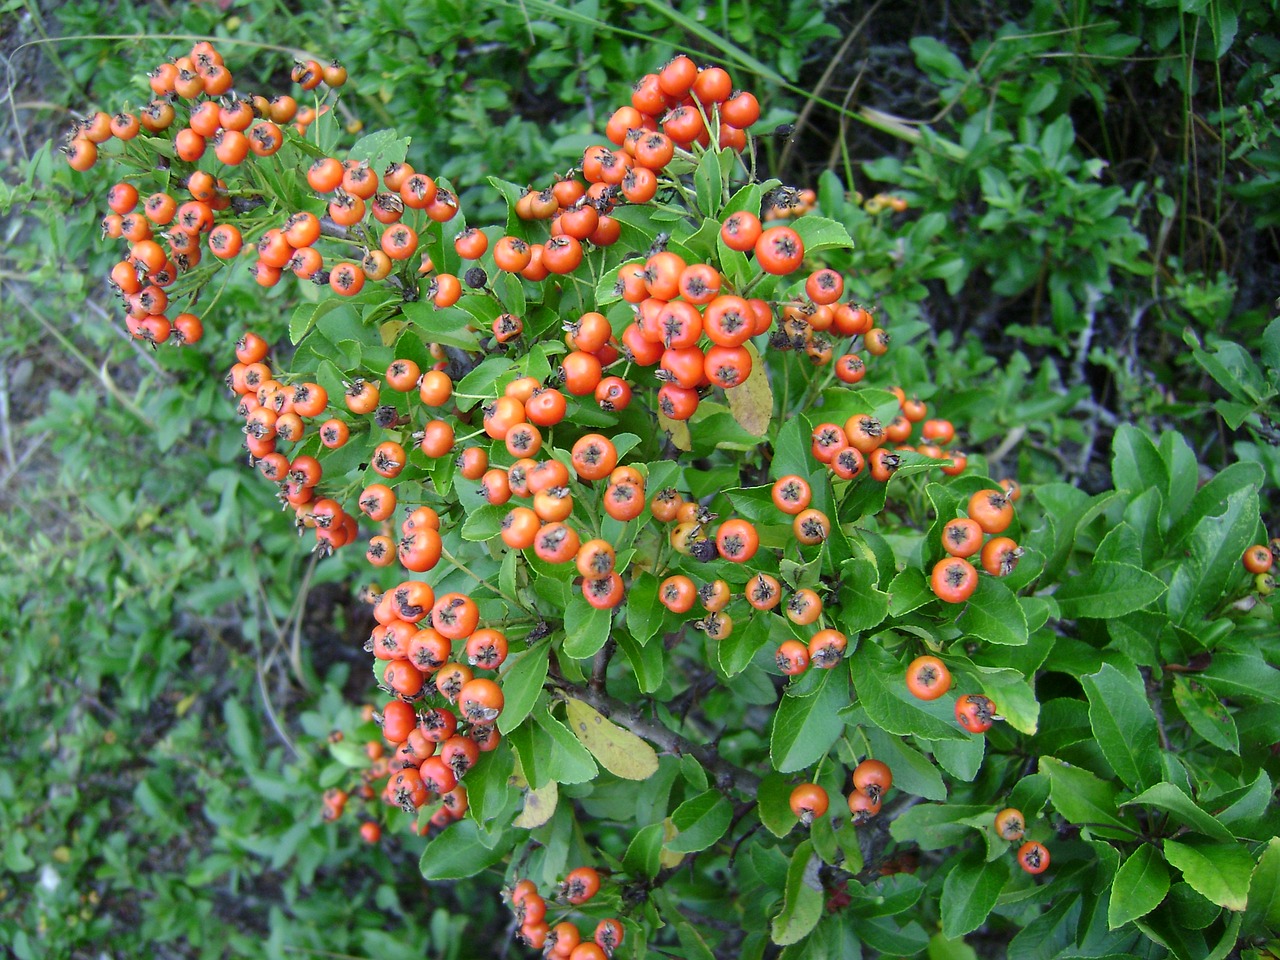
{"x": 618, "y": 750}
{"x": 701, "y": 821}
{"x": 960, "y": 758}
{"x": 648, "y": 662}
{"x": 1206, "y": 714}
{"x": 862, "y": 605}
{"x": 1183, "y": 809}
{"x": 522, "y": 678}
{"x": 913, "y": 772}
{"x": 908, "y": 591}
{"x": 1124, "y": 725}
{"x": 969, "y": 893}
{"x": 736, "y": 651}
{"x": 1014, "y": 695}
{"x": 773, "y": 800}
{"x": 1242, "y": 676}
{"x": 458, "y": 853}
{"x": 644, "y": 853}
{"x": 586, "y": 628}
{"x": 1263, "y": 910}
{"x": 483, "y": 381}
{"x": 802, "y": 900}
{"x": 820, "y": 233}
{"x": 1139, "y": 887}
{"x": 447, "y": 327}
{"x": 708, "y": 183}
{"x": 1215, "y": 545}
{"x": 1108, "y": 590}
{"x": 484, "y": 523}
{"x": 1211, "y": 499}
{"x": 935, "y": 826}
{"x": 1136, "y": 464}
{"x": 487, "y": 783}
{"x": 882, "y": 690}
{"x": 804, "y": 728}
{"x": 1220, "y": 872}
{"x": 994, "y": 615}
{"x": 539, "y": 806}
{"x": 644, "y": 612}
{"x": 570, "y": 761}
{"x": 305, "y": 317}
{"x": 1080, "y": 796}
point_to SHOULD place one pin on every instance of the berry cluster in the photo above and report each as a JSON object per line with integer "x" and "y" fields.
{"x": 564, "y": 939}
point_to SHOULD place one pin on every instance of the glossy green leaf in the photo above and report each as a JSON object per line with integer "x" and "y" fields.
{"x": 644, "y": 612}
{"x": 882, "y": 690}
{"x": 1167, "y": 797}
{"x": 1079, "y": 795}
{"x": 701, "y": 821}
{"x": 970, "y": 891}
{"x": 773, "y": 804}
{"x": 1206, "y": 714}
{"x": 586, "y": 628}
{"x": 1221, "y": 872}
{"x": 522, "y": 679}
{"x": 1139, "y": 887}
{"x": 644, "y": 853}
{"x": 1108, "y": 590}
{"x": 1125, "y": 726}
{"x": 994, "y": 615}
{"x": 802, "y": 902}
{"x": 804, "y": 728}
{"x": 458, "y": 853}
{"x": 1263, "y": 910}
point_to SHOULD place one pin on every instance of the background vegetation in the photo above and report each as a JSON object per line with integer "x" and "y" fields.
{"x": 1091, "y": 243}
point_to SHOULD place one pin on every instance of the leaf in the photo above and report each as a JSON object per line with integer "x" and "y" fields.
{"x": 1215, "y": 545}
{"x": 619, "y": 751}
{"x": 936, "y": 826}
{"x": 306, "y": 315}
{"x": 908, "y": 591}
{"x": 484, "y": 523}
{"x": 458, "y": 853}
{"x": 736, "y": 651}
{"x": 1244, "y": 676}
{"x": 819, "y": 233}
{"x": 1169, "y": 798}
{"x": 648, "y": 662}
{"x": 1263, "y": 911}
{"x": 1206, "y": 714}
{"x": 936, "y": 60}
{"x": 708, "y": 182}
{"x": 804, "y": 728}
{"x": 644, "y": 612}
{"x": 802, "y": 902}
{"x": 773, "y": 804}
{"x": 1124, "y": 725}
{"x": 751, "y": 402}
{"x": 481, "y": 382}
{"x": 1108, "y": 590}
{"x": 1219, "y": 872}
{"x": 586, "y": 628}
{"x": 970, "y": 891}
{"x": 700, "y": 822}
{"x": 1140, "y": 885}
{"x": 913, "y": 772}
{"x": 1080, "y": 796}
{"x": 570, "y": 761}
{"x": 644, "y": 853}
{"x": 539, "y": 806}
{"x": 1136, "y": 464}
{"x": 522, "y": 682}
{"x": 993, "y": 614}
{"x": 882, "y": 690}
{"x": 448, "y": 327}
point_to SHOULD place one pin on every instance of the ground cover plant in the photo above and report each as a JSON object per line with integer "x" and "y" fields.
{"x": 701, "y": 624}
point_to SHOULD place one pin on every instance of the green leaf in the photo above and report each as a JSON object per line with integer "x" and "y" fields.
{"x": 913, "y": 772}
{"x": 936, "y": 60}
{"x": 484, "y": 523}
{"x": 708, "y": 182}
{"x": 804, "y": 728}
{"x": 1243, "y": 676}
{"x": 586, "y": 628}
{"x": 701, "y": 821}
{"x": 993, "y": 614}
{"x": 447, "y": 327}
{"x": 648, "y": 662}
{"x": 1080, "y": 796}
{"x": 1124, "y": 725}
{"x": 1108, "y": 590}
{"x": 1214, "y": 546}
{"x": 306, "y": 315}
{"x": 619, "y": 751}
{"x": 736, "y": 651}
{"x": 482, "y": 381}
{"x": 1140, "y": 885}
{"x": 570, "y": 761}
{"x": 644, "y": 612}
{"x": 1219, "y": 872}
{"x": 1136, "y": 464}
{"x": 1169, "y": 798}
{"x": 522, "y": 681}
{"x": 802, "y": 903}
{"x": 936, "y": 826}
{"x": 819, "y": 233}
{"x": 970, "y": 891}
{"x": 458, "y": 853}
{"x": 1263, "y": 911}
{"x": 773, "y": 804}
{"x": 1206, "y": 714}
{"x": 882, "y": 690}
{"x": 908, "y": 591}
{"x": 644, "y": 853}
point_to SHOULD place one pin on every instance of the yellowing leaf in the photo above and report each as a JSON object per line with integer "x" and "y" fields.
{"x": 679, "y": 431}
{"x": 619, "y": 751}
{"x": 539, "y": 805}
{"x": 669, "y": 858}
{"x": 751, "y": 402}
{"x": 391, "y": 331}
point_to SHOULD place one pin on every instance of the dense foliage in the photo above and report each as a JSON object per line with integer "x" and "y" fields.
{"x": 751, "y": 645}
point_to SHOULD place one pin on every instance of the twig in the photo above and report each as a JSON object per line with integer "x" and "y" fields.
{"x": 600, "y": 666}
